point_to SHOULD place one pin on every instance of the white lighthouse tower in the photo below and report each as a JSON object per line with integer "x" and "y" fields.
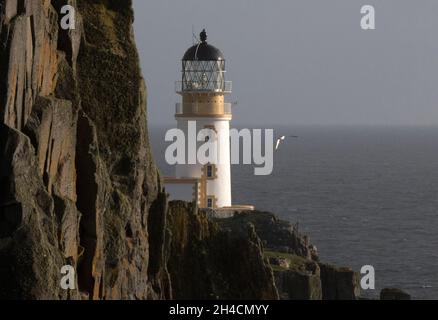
{"x": 203, "y": 89}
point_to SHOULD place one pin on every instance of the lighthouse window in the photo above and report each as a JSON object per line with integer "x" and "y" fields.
{"x": 209, "y": 171}
{"x": 201, "y": 75}
{"x": 211, "y": 202}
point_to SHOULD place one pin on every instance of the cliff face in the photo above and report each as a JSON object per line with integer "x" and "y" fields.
{"x": 78, "y": 185}
{"x": 77, "y": 175}
{"x": 298, "y": 273}
{"x": 207, "y": 261}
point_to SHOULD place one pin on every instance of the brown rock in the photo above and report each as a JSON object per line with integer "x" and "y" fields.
{"x": 297, "y": 285}
{"x": 30, "y": 259}
{"x": 207, "y": 261}
{"x": 78, "y": 188}
{"x": 394, "y": 294}
{"x": 52, "y": 128}
{"x": 277, "y": 235}
{"x": 339, "y": 283}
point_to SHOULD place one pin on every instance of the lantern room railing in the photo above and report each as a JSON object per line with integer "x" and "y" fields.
{"x": 224, "y": 87}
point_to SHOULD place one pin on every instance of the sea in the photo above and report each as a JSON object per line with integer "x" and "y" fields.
{"x": 365, "y": 195}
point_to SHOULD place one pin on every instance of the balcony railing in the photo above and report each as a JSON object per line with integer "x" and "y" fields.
{"x": 202, "y": 109}
{"x": 199, "y": 87}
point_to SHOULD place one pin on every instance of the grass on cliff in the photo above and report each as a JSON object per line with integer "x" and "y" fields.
{"x": 295, "y": 262}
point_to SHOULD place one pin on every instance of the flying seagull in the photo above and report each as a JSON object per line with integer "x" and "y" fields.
{"x": 281, "y": 139}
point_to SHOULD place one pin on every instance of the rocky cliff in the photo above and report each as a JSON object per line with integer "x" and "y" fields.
{"x": 78, "y": 182}
{"x": 79, "y": 187}
{"x": 77, "y": 175}
{"x": 298, "y": 273}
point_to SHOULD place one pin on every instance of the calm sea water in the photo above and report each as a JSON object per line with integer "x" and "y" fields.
{"x": 364, "y": 195}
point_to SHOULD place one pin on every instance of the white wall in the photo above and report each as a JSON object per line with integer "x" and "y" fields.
{"x": 220, "y": 187}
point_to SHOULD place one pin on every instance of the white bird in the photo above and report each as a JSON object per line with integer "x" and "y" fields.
{"x": 426, "y": 286}
{"x": 279, "y": 140}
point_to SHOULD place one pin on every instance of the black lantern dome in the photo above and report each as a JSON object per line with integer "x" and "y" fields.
{"x": 203, "y": 69}
{"x": 203, "y": 51}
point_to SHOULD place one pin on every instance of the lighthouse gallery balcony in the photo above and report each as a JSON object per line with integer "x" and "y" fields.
{"x": 224, "y": 87}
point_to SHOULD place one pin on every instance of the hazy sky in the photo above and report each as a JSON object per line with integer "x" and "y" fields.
{"x": 300, "y": 61}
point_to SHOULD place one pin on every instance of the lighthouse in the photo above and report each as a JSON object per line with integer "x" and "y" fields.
{"x": 203, "y": 89}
